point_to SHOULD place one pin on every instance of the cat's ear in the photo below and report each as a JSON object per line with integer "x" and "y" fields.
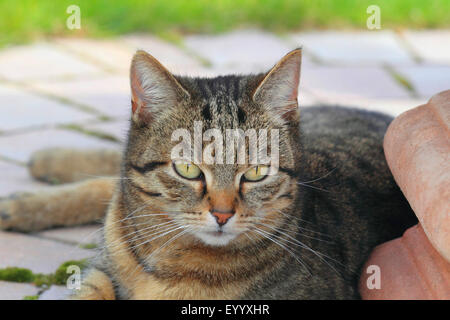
{"x": 153, "y": 87}
{"x": 278, "y": 90}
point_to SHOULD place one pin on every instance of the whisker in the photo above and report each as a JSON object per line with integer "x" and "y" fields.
{"x": 299, "y": 227}
{"x": 322, "y": 177}
{"x": 302, "y": 234}
{"x": 304, "y": 246}
{"x": 146, "y": 234}
{"x": 312, "y": 187}
{"x": 284, "y": 247}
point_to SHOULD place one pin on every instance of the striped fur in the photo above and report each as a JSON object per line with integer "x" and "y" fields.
{"x": 303, "y": 233}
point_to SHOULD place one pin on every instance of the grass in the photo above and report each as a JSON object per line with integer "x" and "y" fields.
{"x": 94, "y": 133}
{"x": 25, "y": 20}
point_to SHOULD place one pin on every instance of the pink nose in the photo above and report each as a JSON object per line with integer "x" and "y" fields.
{"x": 221, "y": 217}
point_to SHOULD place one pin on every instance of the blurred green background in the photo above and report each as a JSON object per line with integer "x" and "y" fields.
{"x": 25, "y": 20}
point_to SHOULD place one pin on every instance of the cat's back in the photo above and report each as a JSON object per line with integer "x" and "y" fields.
{"x": 348, "y": 193}
{"x": 343, "y": 150}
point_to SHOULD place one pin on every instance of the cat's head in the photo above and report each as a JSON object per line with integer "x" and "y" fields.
{"x": 182, "y": 167}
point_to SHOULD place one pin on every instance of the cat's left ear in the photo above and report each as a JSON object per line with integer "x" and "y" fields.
{"x": 278, "y": 90}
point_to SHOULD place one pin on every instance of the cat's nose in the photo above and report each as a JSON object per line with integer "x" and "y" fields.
{"x": 222, "y": 217}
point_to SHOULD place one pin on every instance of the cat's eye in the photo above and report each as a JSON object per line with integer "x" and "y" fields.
{"x": 187, "y": 170}
{"x": 256, "y": 173}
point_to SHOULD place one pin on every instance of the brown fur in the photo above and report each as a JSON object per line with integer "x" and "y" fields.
{"x": 303, "y": 233}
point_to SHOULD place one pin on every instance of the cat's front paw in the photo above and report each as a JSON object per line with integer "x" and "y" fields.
{"x": 10, "y": 208}
{"x": 5, "y": 214}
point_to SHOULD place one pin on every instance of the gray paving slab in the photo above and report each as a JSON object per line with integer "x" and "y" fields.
{"x": 16, "y": 291}
{"x": 170, "y": 55}
{"x": 240, "y": 51}
{"x": 19, "y": 147}
{"x": 111, "y": 54}
{"x": 427, "y": 80}
{"x": 109, "y": 94}
{"x": 366, "y": 82}
{"x": 82, "y": 235}
{"x": 41, "y": 61}
{"x": 38, "y": 255}
{"x": 22, "y": 109}
{"x": 15, "y": 178}
{"x": 355, "y": 48}
{"x": 432, "y": 46}
{"x": 55, "y": 293}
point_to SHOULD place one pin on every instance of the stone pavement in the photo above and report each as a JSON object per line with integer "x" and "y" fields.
{"x": 65, "y": 91}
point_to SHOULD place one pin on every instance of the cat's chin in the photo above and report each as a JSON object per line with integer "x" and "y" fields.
{"x": 216, "y": 238}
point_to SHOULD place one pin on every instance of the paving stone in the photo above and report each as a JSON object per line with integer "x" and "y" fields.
{"x": 171, "y": 56}
{"x": 366, "y": 82}
{"x": 16, "y": 291}
{"x": 55, "y": 293}
{"x": 393, "y": 107}
{"x": 41, "y": 61}
{"x": 38, "y": 255}
{"x": 117, "y": 129}
{"x": 111, "y": 54}
{"x": 19, "y": 147}
{"x": 363, "y": 48}
{"x": 243, "y": 51}
{"x": 108, "y": 94}
{"x": 427, "y": 80}
{"x": 16, "y": 178}
{"x": 23, "y": 109}
{"x": 431, "y": 45}
{"x": 90, "y": 234}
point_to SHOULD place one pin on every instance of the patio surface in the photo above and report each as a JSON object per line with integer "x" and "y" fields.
{"x": 62, "y": 92}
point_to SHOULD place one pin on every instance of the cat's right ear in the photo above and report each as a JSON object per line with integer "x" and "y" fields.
{"x": 153, "y": 87}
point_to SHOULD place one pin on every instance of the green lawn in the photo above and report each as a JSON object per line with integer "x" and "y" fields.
{"x": 23, "y": 20}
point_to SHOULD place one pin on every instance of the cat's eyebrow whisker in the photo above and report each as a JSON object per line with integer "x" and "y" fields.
{"x": 257, "y": 230}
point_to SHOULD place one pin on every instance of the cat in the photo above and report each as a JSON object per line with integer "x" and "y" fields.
{"x": 186, "y": 230}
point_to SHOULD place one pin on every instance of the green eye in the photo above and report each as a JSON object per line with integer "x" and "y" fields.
{"x": 256, "y": 173}
{"x": 188, "y": 170}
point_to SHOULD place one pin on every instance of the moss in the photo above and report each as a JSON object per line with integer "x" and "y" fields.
{"x": 88, "y": 246}
{"x": 401, "y": 80}
{"x": 94, "y": 133}
{"x": 35, "y": 297}
{"x": 61, "y": 275}
{"x": 16, "y": 274}
{"x": 43, "y": 280}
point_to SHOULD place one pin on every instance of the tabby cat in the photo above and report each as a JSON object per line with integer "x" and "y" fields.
{"x": 185, "y": 230}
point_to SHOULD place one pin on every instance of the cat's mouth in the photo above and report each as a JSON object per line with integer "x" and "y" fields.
{"x": 217, "y": 237}
{"x": 217, "y": 233}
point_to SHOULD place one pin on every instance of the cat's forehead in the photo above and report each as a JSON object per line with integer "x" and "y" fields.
{"x": 223, "y": 102}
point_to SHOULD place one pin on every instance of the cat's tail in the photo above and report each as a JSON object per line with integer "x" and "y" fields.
{"x": 82, "y": 200}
